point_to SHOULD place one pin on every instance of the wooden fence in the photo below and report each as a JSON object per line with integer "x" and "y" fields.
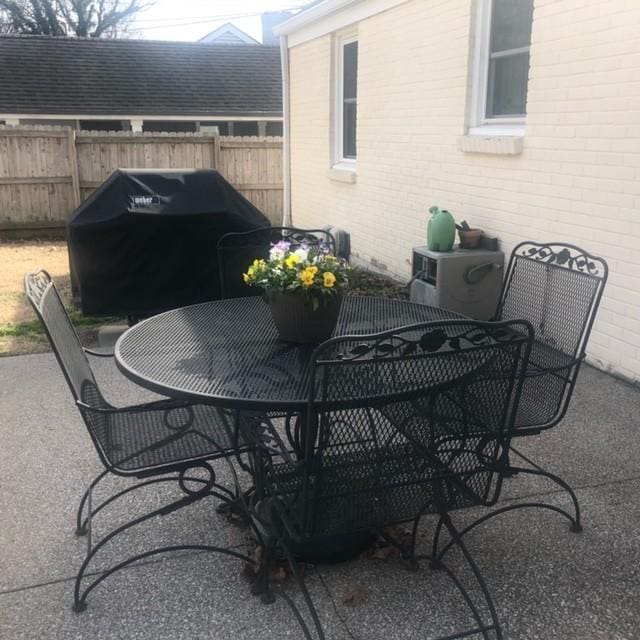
{"x": 46, "y": 172}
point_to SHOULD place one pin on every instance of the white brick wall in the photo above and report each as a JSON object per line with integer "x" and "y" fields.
{"x": 577, "y": 179}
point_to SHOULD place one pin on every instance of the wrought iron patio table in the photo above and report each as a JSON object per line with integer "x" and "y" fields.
{"x": 227, "y": 352}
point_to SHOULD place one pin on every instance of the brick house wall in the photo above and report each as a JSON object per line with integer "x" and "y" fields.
{"x": 577, "y": 178}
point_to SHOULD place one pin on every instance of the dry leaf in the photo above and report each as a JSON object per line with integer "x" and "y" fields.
{"x": 355, "y": 595}
{"x": 279, "y": 574}
{"x": 382, "y": 553}
{"x": 250, "y": 570}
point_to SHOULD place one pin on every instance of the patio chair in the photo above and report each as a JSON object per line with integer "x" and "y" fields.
{"x": 156, "y": 442}
{"x": 557, "y": 287}
{"x": 237, "y": 250}
{"x": 399, "y": 424}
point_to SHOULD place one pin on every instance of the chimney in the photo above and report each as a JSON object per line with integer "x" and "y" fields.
{"x": 269, "y": 20}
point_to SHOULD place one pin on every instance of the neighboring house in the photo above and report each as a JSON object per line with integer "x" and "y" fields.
{"x": 520, "y": 116}
{"x": 140, "y": 85}
{"x": 228, "y": 34}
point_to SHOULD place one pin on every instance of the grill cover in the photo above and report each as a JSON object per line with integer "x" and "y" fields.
{"x": 145, "y": 241}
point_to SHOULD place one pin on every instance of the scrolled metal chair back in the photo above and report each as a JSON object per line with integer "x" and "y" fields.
{"x": 46, "y": 302}
{"x": 392, "y": 413}
{"x": 237, "y": 250}
{"x": 557, "y": 287}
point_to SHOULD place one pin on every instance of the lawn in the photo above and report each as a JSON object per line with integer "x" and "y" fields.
{"x": 20, "y": 330}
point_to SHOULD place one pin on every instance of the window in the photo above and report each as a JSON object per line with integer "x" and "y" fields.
{"x": 346, "y": 97}
{"x": 503, "y": 40}
{"x": 177, "y": 126}
{"x": 101, "y": 125}
{"x": 274, "y": 128}
{"x": 245, "y": 128}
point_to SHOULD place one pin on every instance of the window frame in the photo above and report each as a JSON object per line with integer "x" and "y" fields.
{"x": 338, "y": 160}
{"x": 479, "y": 123}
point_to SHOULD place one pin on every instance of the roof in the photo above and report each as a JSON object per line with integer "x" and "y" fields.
{"x": 228, "y": 34}
{"x": 79, "y": 76}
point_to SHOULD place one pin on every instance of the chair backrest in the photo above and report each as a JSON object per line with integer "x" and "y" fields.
{"x": 47, "y": 304}
{"x": 407, "y": 421}
{"x": 557, "y": 287}
{"x": 237, "y": 250}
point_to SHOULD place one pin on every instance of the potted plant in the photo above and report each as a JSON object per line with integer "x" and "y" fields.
{"x": 469, "y": 238}
{"x": 303, "y": 287}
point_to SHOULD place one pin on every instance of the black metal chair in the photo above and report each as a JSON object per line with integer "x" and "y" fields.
{"x": 557, "y": 287}
{"x": 157, "y": 442}
{"x": 237, "y": 250}
{"x": 399, "y": 424}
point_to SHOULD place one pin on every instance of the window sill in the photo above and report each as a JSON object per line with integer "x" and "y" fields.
{"x": 493, "y": 140}
{"x": 343, "y": 172}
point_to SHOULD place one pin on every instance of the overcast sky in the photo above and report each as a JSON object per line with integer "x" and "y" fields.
{"x": 192, "y": 19}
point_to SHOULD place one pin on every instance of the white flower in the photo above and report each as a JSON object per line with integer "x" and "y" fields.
{"x": 276, "y": 253}
{"x": 302, "y": 254}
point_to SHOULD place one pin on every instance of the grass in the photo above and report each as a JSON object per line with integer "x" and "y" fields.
{"x": 35, "y": 328}
{"x": 20, "y": 330}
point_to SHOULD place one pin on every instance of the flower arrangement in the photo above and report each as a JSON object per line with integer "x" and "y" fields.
{"x": 310, "y": 270}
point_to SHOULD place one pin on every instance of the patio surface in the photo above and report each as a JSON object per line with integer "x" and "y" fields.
{"x": 547, "y": 583}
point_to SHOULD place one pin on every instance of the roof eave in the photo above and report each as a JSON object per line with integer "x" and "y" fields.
{"x": 75, "y": 115}
{"x": 310, "y": 15}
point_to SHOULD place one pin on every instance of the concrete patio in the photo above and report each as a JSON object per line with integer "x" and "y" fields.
{"x": 547, "y": 583}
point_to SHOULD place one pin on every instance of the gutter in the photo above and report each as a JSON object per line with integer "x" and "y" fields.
{"x": 286, "y": 133}
{"x": 311, "y": 14}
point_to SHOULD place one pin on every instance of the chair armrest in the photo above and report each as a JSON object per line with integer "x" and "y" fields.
{"x": 98, "y": 354}
{"x": 159, "y": 405}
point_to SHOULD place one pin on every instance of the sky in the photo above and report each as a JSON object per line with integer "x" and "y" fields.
{"x": 190, "y": 20}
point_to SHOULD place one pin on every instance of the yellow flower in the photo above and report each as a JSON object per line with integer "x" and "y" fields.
{"x": 292, "y": 261}
{"x": 257, "y": 264}
{"x": 312, "y": 270}
{"x": 246, "y": 277}
{"x": 306, "y": 277}
{"x": 329, "y": 279}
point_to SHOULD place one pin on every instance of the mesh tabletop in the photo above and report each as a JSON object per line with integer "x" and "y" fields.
{"x": 228, "y": 351}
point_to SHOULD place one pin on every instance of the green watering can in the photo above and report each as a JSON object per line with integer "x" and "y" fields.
{"x": 441, "y": 230}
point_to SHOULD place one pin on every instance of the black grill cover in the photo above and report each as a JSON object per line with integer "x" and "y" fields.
{"x": 145, "y": 241}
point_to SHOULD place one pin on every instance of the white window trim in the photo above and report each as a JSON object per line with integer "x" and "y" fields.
{"x": 338, "y": 161}
{"x": 479, "y": 124}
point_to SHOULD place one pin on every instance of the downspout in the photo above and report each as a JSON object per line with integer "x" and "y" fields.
{"x": 286, "y": 132}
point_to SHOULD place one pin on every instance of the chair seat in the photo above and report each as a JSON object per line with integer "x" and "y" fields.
{"x": 357, "y": 494}
{"x": 151, "y": 438}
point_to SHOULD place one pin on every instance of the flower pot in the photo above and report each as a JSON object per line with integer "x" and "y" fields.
{"x": 297, "y": 321}
{"x": 470, "y": 238}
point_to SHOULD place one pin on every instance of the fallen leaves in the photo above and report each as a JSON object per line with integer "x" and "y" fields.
{"x": 355, "y": 595}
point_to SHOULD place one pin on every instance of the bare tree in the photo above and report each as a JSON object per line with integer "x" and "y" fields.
{"x": 82, "y": 18}
{"x": 5, "y": 25}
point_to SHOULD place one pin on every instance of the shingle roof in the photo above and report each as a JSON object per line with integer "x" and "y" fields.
{"x": 41, "y": 74}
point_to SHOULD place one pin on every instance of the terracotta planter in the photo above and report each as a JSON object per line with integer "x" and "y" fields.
{"x": 297, "y": 321}
{"x": 470, "y": 238}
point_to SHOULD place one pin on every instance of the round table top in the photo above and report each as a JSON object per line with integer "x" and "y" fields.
{"x": 228, "y": 351}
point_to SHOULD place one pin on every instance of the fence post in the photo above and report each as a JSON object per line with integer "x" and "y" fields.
{"x": 215, "y": 153}
{"x": 73, "y": 166}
